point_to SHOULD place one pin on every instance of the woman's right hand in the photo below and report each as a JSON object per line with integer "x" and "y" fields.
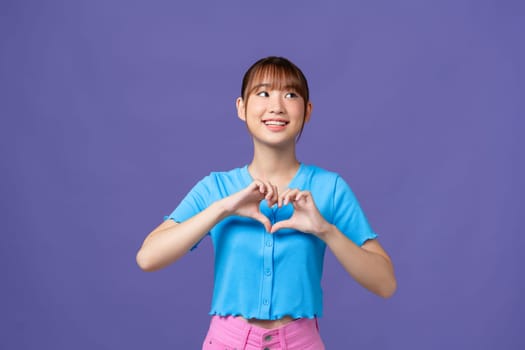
{"x": 170, "y": 241}
{"x": 246, "y": 202}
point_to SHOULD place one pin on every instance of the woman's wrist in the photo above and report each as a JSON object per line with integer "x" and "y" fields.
{"x": 327, "y": 231}
{"x": 222, "y": 208}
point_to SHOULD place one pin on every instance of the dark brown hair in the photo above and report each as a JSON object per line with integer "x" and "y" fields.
{"x": 280, "y": 72}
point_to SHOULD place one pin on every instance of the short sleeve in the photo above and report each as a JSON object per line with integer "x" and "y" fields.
{"x": 348, "y": 215}
{"x": 198, "y": 199}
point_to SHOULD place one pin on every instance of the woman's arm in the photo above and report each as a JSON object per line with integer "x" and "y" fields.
{"x": 170, "y": 240}
{"x": 369, "y": 264}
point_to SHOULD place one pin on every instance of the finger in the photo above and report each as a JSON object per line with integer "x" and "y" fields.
{"x": 281, "y": 224}
{"x": 302, "y": 195}
{"x": 254, "y": 185}
{"x": 266, "y": 191}
{"x": 258, "y": 189}
{"x": 275, "y": 196}
{"x": 261, "y": 186}
{"x": 263, "y": 189}
{"x": 270, "y": 192}
{"x": 290, "y": 196}
{"x": 281, "y": 197}
{"x": 263, "y": 220}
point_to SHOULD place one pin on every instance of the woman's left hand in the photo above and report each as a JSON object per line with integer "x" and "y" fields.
{"x": 305, "y": 218}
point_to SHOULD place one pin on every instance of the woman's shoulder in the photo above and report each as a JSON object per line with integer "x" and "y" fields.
{"x": 320, "y": 173}
{"x": 324, "y": 180}
{"x": 230, "y": 173}
{"x": 235, "y": 178}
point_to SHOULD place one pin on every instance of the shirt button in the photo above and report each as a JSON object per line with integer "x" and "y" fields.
{"x": 265, "y": 302}
{"x": 266, "y": 348}
{"x": 268, "y": 271}
{"x": 269, "y": 243}
{"x": 268, "y": 338}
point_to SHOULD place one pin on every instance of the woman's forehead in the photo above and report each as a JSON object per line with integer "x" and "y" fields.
{"x": 272, "y": 86}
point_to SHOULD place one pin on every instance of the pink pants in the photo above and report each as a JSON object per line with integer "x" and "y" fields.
{"x": 234, "y": 333}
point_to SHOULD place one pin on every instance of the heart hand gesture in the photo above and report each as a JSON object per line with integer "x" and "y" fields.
{"x": 305, "y": 218}
{"x": 246, "y": 202}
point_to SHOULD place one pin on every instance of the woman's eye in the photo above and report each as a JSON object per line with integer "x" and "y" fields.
{"x": 263, "y": 94}
{"x": 291, "y": 95}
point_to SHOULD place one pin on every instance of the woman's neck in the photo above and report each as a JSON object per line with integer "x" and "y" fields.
{"x": 278, "y": 166}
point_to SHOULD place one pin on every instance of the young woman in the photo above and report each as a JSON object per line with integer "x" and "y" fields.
{"x": 270, "y": 223}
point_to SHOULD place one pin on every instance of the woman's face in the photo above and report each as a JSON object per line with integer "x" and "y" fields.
{"x": 274, "y": 116}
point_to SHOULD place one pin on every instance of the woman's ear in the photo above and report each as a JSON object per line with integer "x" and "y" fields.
{"x": 241, "y": 111}
{"x": 308, "y": 111}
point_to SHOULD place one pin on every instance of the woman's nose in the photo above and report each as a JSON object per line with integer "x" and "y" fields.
{"x": 276, "y": 105}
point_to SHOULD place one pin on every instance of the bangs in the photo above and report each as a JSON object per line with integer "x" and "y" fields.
{"x": 276, "y": 76}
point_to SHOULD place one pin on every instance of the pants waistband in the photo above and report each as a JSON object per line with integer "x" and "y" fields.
{"x": 246, "y": 335}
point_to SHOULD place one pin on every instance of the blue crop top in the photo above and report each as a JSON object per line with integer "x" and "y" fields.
{"x": 268, "y": 276}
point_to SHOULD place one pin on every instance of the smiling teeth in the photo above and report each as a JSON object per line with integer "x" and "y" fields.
{"x": 274, "y": 122}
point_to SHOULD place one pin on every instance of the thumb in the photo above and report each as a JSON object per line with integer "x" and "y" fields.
{"x": 263, "y": 220}
{"x": 281, "y": 225}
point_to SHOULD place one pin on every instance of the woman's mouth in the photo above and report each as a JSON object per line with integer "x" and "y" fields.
{"x": 273, "y": 122}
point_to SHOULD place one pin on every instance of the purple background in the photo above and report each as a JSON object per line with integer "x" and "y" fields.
{"x": 112, "y": 110}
